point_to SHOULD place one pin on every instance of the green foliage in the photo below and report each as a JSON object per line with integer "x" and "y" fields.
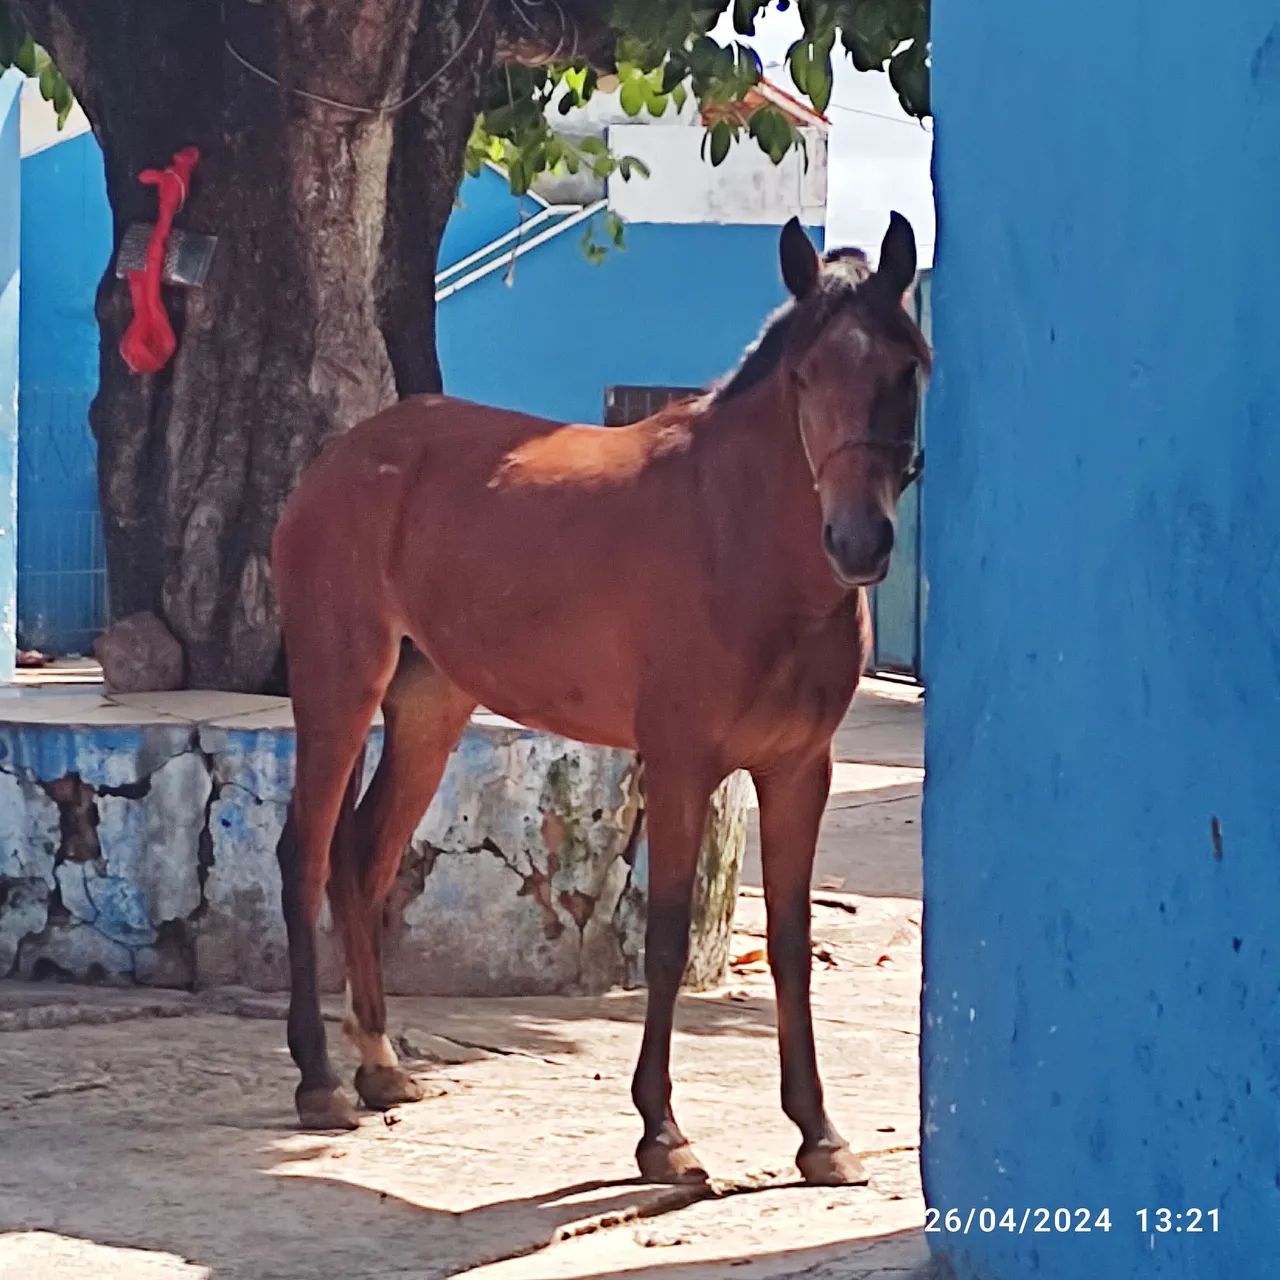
{"x": 665, "y": 56}
{"x": 17, "y": 49}
{"x": 613, "y": 227}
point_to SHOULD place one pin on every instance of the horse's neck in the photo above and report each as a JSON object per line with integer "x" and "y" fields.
{"x": 754, "y": 439}
{"x": 756, "y": 465}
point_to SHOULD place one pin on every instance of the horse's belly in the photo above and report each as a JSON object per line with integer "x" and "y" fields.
{"x": 571, "y": 683}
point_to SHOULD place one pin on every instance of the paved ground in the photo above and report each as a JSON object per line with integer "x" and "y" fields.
{"x": 148, "y": 1135}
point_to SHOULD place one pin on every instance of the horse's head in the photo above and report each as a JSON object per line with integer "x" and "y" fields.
{"x": 854, "y": 361}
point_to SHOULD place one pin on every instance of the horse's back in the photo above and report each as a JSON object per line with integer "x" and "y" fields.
{"x": 500, "y": 543}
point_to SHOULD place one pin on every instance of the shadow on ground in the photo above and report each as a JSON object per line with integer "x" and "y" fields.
{"x": 301, "y": 1225}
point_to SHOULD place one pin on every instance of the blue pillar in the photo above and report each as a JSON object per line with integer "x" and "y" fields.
{"x": 10, "y": 89}
{"x": 1102, "y": 813}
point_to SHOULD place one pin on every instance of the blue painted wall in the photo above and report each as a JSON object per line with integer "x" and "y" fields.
{"x": 485, "y": 210}
{"x": 66, "y": 242}
{"x": 10, "y": 274}
{"x": 1102, "y": 1003}
{"x": 675, "y": 308}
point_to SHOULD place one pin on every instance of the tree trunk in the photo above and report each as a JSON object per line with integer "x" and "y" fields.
{"x": 319, "y": 309}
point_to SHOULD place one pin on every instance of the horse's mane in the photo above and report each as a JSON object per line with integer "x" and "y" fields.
{"x": 844, "y": 273}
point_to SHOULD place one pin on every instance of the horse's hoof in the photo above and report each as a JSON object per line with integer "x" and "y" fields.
{"x": 832, "y": 1167}
{"x": 325, "y": 1108}
{"x": 383, "y": 1087}
{"x": 659, "y": 1163}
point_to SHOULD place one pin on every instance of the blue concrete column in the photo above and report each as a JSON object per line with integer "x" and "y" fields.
{"x": 1102, "y": 811}
{"x": 10, "y": 88}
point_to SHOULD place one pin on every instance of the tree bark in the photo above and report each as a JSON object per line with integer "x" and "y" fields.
{"x": 319, "y": 309}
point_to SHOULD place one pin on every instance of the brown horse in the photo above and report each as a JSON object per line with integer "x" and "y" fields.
{"x": 690, "y": 586}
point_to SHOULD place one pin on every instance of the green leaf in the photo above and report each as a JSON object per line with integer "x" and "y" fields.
{"x": 674, "y": 71}
{"x": 721, "y": 134}
{"x": 26, "y": 57}
{"x": 633, "y": 96}
{"x": 657, "y": 103}
{"x": 798, "y": 64}
{"x": 744, "y": 17}
{"x": 702, "y": 55}
{"x": 48, "y": 79}
{"x": 679, "y": 95}
{"x": 63, "y": 101}
{"x": 909, "y": 75}
{"x": 614, "y": 227}
{"x": 773, "y": 132}
{"x": 750, "y": 68}
{"x": 820, "y": 82}
{"x": 594, "y": 251}
{"x": 575, "y": 80}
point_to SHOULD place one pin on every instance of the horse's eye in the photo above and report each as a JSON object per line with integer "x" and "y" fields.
{"x": 907, "y": 379}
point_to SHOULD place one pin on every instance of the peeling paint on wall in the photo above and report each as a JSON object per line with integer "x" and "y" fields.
{"x": 146, "y": 852}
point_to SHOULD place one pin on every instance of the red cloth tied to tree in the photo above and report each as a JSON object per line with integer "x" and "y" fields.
{"x": 148, "y": 343}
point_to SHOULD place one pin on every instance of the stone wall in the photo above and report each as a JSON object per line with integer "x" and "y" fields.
{"x": 138, "y": 844}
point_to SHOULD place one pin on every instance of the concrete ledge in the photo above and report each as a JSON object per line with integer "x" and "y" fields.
{"x": 138, "y": 836}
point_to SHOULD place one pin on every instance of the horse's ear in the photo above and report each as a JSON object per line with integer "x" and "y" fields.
{"x": 898, "y": 256}
{"x": 800, "y": 262}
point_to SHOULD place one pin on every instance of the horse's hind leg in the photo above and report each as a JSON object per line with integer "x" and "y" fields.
{"x": 424, "y": 713}
{"x": 326, "y": 769}
{"x": 334, "y": 698}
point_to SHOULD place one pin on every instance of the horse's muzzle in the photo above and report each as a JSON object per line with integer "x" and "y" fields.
{"x": 859, "y": 549}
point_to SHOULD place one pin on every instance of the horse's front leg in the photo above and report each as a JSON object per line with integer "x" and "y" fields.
{"x": 792, "y": 799}
{"x": 676, "y": 797}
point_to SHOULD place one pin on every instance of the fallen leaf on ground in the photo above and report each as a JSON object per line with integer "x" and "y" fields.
{"x": 753, "y": 961}
{"x": 884, "y": 960}
{"x": 823, "y": 953}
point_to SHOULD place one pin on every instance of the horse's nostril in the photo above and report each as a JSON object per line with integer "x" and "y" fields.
{"x": 828, "y": 540}
{"x": 884, "y": 543}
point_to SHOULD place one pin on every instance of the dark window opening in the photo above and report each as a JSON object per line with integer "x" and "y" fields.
{"x": 623, "y": 404}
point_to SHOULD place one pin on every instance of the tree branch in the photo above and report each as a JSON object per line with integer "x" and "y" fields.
{"x": 429, "y": 140}
{"x": 555, "y": 31}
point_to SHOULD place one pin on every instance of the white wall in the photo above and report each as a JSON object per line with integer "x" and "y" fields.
{"x": 747, "y": 187}
{"x": 38, "y": 121}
